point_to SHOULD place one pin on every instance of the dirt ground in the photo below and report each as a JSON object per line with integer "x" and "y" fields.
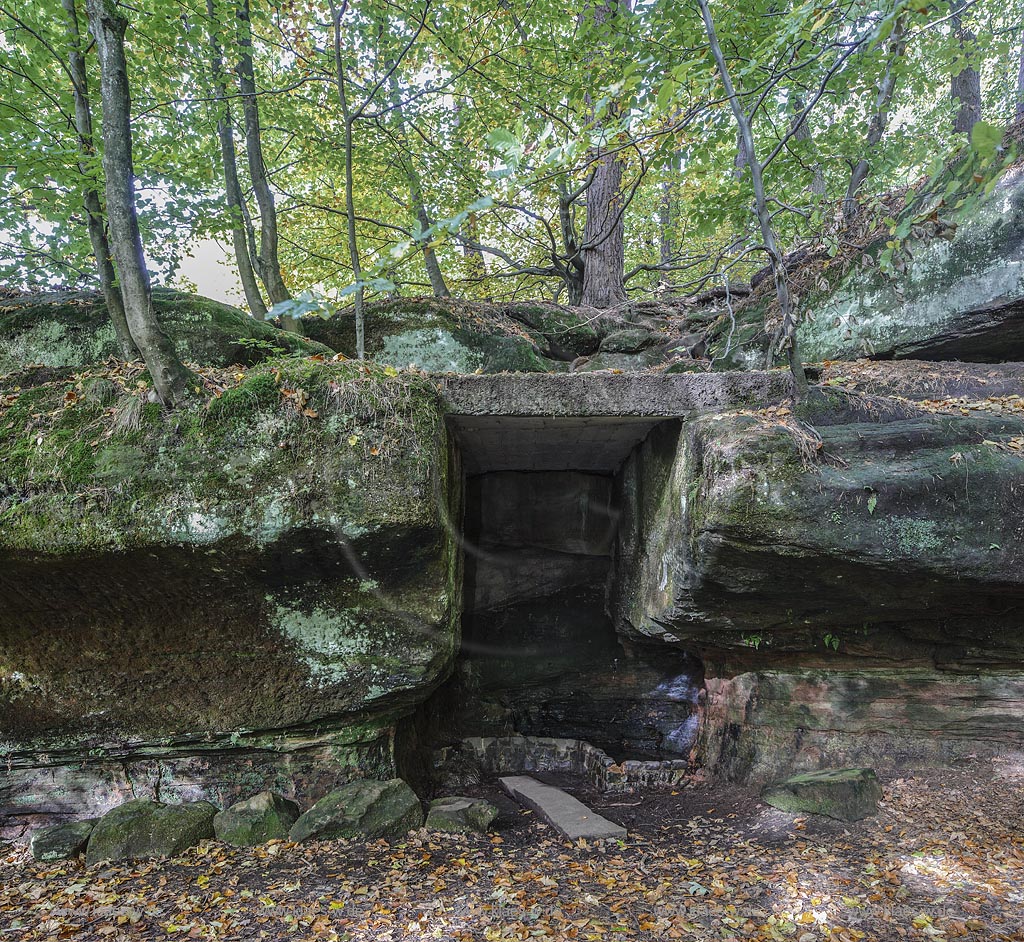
{"x": 943, "y": 859}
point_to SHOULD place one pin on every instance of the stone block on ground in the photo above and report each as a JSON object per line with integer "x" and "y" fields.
{"x": 264, "y": 817}
{"x": 62, "y": 841}
{"x": 844, "y": 794}
{"x": 460, "y": 814}
{"x": 144, "y": 828}
{"x": 565, "y": 814}
{"x": 364, "y": 809}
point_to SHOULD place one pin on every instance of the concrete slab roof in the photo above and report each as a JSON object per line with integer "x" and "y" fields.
{"x": 585, "y": 421}
{"x": 674, "y": 395}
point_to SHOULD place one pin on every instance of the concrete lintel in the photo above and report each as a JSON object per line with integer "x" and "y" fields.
{"x": 611, "y": 394}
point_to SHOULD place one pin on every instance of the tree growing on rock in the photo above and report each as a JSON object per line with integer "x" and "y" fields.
{"x": 170, "y": 377}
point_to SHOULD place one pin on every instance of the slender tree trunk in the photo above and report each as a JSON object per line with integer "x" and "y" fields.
{"x": 802, "y": 132}
{"x": 269, "y": 267}
{"x": 416, "y": 204}
{"x": 229, "y": 163}
{"x": 1020, "y": 84}
{"x": 170, "y": 377}
{"x": 666, "y": 247}
{"x": 965, "y": 86}
{"x": 879, "y": 118}
{"x": 572, "y": 267}
{"x": 603, "y": 249}
{"x": 350, "y": 202}
{"x": 787, "y": 337}
{"x": 90, "y": 196}
{"x": 742, "y": 159}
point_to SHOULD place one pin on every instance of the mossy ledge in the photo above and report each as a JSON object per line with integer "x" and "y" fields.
{"x": 263, "y": 580}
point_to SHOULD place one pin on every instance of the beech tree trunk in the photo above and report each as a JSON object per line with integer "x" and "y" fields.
{"x": 879, "y": 118}
{"x": 786, "y": 337}
{"x": 416, "y": 204}
{"x": 170, "y": 377}
{"x": 603, "y": 249}
{"x": 350, "y": 203}
{"x": 1020, "y": 85}
{"x": 802, "y": 132}
{"x": 268, "y": 265}
{"x": 229, "y": 164}
{"x": 90, "y": 196}
{"x": 965, "y": 86}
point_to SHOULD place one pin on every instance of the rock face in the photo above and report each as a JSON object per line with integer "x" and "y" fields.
{"x": 61, "y": 842}
{"x": 264, "y": 817}
{"x": 958, "y": 299}
{"x": 844, "y": 794}
{"x": 66, "y": 329}
{"x": 362, "y": 809}
{"x": 223, "y": 599}
{"x": 144, "y": 828}
{"x": 460, "y": 815}
{"x": 853, "y": 602}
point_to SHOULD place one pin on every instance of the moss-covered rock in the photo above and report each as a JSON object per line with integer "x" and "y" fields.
{"x": 461, "y": 815}
{"x": 362, "y": 809}
{"x": 955, "y": 298}
{"x": 264, "y": 817}
{"x": 436, "y": 336}
{"x": 271, "y": 573}
{"x": 144, "y": 828}
{"x": 844, "y": 794}
{"x": 61, "y": 842}
{"x": 72, "y": 329}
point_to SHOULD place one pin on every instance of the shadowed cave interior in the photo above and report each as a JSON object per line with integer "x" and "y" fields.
{"x": 540, "y": 654}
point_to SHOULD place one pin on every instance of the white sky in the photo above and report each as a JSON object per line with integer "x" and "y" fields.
{"x": 210, "y": 268}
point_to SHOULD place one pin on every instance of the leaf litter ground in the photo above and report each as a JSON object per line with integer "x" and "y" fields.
{"x": 943, "y": 859}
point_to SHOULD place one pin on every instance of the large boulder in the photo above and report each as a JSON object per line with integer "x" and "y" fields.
{"x": 844, "y": 794}
{"x": 62, "y": 841}
{"x": 237, "y": 595}
{"x": 144, "y": 828}
{"x": 850, "y": 574}
{"x": 363, "y": 809}
{"x": 73, "y": 329}
{"x": 436, "y": 336}
{"x": 954, "y": 299}
{"x": 460, "y": 815}
{"x": 264, "y": 817}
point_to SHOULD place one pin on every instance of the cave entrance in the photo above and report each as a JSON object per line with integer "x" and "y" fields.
{"x": 541, "y": 655}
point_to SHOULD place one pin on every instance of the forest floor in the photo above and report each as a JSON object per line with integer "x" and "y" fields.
{"x": 943, "y": 859}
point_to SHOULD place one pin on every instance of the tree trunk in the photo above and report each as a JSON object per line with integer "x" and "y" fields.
{"x": 802, "y": 132}
{"x": 229, "y": 163}
{"x": 742, "y": 158}
{"x": 965, "y": 86}
{"x": 1020, "y": 84}
{"x": 90, "y": 196}
{"x": 786, "y": 337}
{"x": 603, "y": 249}
{"x": 170, "y": 378}
{"x": 880, "y": 118}
{"x": 571, "y": 264}
{"x": 419, "y": 210}
{"x": 268, "y": 265}
{"x": 350, "y": 202}
{"x": 666, "y": 242}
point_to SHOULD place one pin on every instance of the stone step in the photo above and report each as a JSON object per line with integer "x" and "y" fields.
{"x": 559, "y": 809}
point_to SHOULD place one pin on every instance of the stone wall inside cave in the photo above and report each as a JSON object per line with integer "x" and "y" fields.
{"x": 540, "y": 655}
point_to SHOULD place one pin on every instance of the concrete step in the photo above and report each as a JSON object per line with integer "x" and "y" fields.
{"x": 559, "y": 809}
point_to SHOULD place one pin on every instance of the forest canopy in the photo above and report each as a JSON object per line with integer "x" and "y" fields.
{"x": 514, "y": 149}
